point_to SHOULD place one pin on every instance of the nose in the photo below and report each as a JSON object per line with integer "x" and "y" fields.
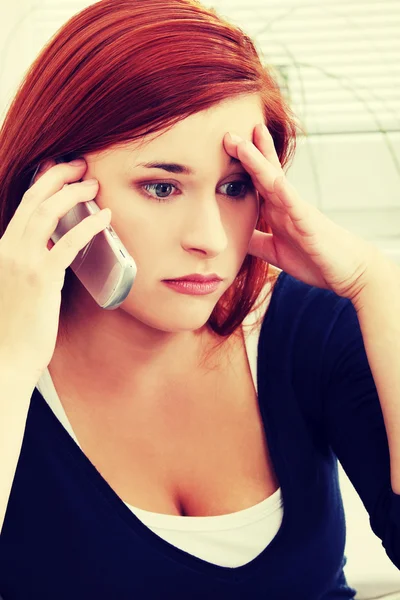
{"x": 204, "y": 230}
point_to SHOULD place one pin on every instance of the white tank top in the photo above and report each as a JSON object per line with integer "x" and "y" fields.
{"x": 229, "y": 540}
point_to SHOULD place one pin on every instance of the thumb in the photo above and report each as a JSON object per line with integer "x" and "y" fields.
{"x": 260, "y": 245}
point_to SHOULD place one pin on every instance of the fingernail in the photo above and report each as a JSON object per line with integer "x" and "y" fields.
{"x": 77, "y": 162}
{"x": 235, "y": 138}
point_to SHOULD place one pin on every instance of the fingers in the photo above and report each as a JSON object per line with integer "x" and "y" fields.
{"x": 284, "y": 210}
{"x": 67, "y": 248}
{"x": 55, "y": 190}
{"x": 264, "y": 141}
{"x": 261, "y": 162}
{"x": 45, "y": 218}
{"x": 44, "y": 187}
{"x": 45, "y": 183}
{"x": 40, "y": 171}
{"x": 43, "y": 168}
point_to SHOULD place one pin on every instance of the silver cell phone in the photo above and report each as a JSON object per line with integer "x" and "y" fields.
{"x": 104, "y": 265}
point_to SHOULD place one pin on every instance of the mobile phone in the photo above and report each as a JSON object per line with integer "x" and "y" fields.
{"x": 103, "y": 266}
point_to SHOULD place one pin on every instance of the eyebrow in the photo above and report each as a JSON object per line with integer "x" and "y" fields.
{"x": 177, "y": 168}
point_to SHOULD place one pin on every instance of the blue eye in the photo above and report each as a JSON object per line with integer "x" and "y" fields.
{"x": 159, "y": 186}
{"x": 246, "y": 186}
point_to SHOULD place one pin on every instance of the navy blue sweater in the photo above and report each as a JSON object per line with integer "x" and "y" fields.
{"x": 67, "y": 535}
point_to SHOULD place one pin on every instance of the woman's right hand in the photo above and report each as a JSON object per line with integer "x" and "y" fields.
{"x": 32, "y": 268}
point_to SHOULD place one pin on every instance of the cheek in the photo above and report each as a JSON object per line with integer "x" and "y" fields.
{"x": 143, "y": 238}
{"x": 250, "y": 218}
{"x": 242, "y": 228}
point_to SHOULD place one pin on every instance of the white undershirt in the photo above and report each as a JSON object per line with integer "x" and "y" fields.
{"x": 229, "y": 540}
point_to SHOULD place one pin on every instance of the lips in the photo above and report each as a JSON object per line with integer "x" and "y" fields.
{"x": 197, "y": 278}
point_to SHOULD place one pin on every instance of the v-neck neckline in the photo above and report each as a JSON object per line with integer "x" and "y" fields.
{"x": 118, "y": 506}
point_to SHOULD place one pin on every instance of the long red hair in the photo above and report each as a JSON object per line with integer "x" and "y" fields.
{"x": 122, "y": 69}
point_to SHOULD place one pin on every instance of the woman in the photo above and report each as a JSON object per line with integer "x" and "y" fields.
{"x": 159, "y": 450}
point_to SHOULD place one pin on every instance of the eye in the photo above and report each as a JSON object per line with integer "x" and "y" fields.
{"x": 245, "y": 188}
{"x": 162, "y": 188}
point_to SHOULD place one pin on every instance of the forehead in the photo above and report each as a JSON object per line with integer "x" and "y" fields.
{"x": 199, "y": 137}
{"x": 239, "y": 115}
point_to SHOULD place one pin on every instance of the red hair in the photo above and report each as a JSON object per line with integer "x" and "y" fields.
{"x": 122, "y": 69}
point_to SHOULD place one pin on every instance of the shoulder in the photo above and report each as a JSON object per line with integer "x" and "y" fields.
{"x": 301, "y": 316}
{"x": 301, "y": 299}
{"x": 293, "y": 312}
{"x": 306, "y": 333}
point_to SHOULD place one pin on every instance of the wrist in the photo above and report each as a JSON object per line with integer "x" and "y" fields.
{"x": 381, "y": 281}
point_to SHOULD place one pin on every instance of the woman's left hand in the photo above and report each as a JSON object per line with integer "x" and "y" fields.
{"x": 304, "y": 242}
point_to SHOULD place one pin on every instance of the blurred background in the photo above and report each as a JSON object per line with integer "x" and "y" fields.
{"x": 338, "y": 63}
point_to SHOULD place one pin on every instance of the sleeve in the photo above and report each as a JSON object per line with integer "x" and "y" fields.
{"x": 354, "y": 425}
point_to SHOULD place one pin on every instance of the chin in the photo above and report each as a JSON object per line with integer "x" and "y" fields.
{"x": 169, "y": 318}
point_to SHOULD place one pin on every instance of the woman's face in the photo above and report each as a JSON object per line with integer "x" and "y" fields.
{"x": 173, "y": 223}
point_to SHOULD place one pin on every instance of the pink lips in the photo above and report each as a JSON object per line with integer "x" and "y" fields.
{"x": 197, "y": 277}
{"x": 197, "y": 288}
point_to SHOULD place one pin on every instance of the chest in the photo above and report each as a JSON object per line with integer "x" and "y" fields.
{"x": 196, "y": 448}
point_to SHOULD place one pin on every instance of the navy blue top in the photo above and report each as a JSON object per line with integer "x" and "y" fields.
{"x": 67, "y": 535}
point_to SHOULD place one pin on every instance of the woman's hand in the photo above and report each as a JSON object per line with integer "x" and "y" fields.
{"x": 304, "y": 242}
{"x": 32, "y": 268}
